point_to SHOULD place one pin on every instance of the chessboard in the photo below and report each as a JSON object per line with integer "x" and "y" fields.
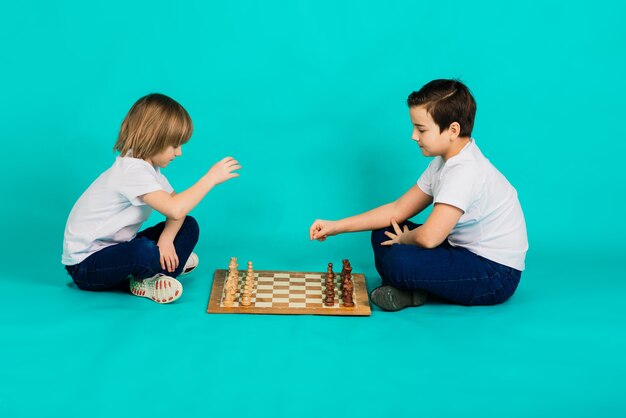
{"x": 289, "y": 293}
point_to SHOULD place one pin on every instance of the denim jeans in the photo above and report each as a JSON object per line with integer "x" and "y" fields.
{"x": 452, "y": 273}
{"x": 140, "y": 258}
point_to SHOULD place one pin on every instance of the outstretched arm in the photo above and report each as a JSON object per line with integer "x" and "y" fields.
{"x": 178, "y": 206}
{"x": 408, "y": 205}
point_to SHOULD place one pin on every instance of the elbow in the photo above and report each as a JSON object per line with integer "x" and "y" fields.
{"x": 177, "y": 214}
{"x": 429, "y": 242}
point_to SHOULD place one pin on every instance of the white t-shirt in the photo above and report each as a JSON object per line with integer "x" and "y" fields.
{"x": 492, "y": 224}
{"x": 110, "y": 211}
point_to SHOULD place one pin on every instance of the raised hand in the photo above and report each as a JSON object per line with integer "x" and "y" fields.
{"x": 223, "y": 170}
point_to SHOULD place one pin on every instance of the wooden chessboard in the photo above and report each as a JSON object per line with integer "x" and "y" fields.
{"x": 290, "y": 293}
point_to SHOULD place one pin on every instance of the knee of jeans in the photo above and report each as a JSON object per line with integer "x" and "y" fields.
{"x": 191, "y": 225}
{"x": 145, "y": 248}
{"x": 378, "y": 236}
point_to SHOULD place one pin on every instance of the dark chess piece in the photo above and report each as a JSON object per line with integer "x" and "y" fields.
{"x": 330, "y": 298}
{"x": 347, "y": 294}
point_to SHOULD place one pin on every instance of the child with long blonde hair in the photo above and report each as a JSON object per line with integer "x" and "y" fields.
{"x": 102, "y": 248}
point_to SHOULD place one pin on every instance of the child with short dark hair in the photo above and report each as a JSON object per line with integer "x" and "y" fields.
{"x": 471, "y": 248}
{"x": 102, "y": 248}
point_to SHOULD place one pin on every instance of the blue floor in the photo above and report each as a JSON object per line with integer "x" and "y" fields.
{"x": 557, "y": 348}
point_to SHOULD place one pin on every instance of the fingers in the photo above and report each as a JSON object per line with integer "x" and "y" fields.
{"x": 395, "y": 226}
{"x": 169, "y": 262}
{"x": 391, "y": 235}
{"x": 320, "y": 234}
{"x": 315, "y": 227}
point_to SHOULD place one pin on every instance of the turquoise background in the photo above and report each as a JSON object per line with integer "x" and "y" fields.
{"x": 310, "y": 97}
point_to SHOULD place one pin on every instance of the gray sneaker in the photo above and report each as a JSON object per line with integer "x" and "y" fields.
{"x": 389, "y": 298}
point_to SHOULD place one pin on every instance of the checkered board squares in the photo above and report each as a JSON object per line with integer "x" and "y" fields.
{"x": 284, "y": 292}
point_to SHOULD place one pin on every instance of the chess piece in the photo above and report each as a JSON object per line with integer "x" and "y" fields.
{"x": 250, "y": 274}
{"x": 232, "y": 265}
{"x": 246, "y": 295}
{"x": 347, "y": 294}
{"x": 248, "y": 286}
{"x": 330, "y": 298}
{"x": 330, "y": 293}
{"x": 250, "y": 279}
{"x": 230, "y": 290}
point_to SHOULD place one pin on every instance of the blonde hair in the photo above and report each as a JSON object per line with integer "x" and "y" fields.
{"x": 153, "y": 123}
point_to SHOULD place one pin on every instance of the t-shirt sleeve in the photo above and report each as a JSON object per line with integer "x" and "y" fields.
{"x": 425, "y": 182}
{"x": 460, "y": 187}
{"x": 165, "y": 183}
{"x": 139, "y": 180}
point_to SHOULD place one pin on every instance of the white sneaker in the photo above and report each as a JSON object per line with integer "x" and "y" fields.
{"x": 191, "y": 264}
{"x": 160, "y": 288}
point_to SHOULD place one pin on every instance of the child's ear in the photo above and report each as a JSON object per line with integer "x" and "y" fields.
{"x": 454, "y": 130}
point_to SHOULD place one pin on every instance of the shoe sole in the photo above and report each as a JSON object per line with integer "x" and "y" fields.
{"x": 162, "y": 290}
{"x": 391, "y": 299}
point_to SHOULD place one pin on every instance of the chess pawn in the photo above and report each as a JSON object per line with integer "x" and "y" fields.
{"x": 245, "y": 294}
{"x": 229, "y": 296}
{"x": 347, "y": 295}
{"x": 330, "y": 294}
{"x": 233, "y": 278}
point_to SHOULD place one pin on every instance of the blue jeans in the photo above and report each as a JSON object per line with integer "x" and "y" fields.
{"x": 452, "y": 273}
{"x": 140, "y": 258}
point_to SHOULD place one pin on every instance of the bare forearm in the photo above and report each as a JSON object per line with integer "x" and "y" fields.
{"x": 374, "y": 219}
{"x": 419, "y": 237}
{"x": 185, "y": 201}
{"x": 172, "y": 226}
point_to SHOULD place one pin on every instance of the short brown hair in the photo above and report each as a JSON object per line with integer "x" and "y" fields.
{"x": 447, "y": 101}
{"x": 153, "y": 123}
